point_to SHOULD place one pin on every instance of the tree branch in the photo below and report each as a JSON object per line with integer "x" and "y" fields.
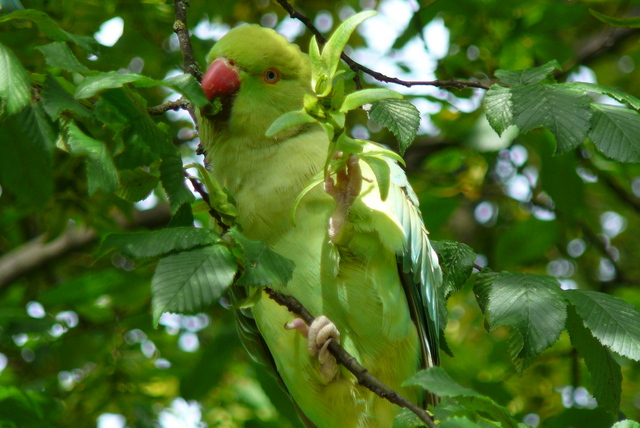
{"x": 182, "y": 103}
{"x": 363, "y": 376}
{"x": 182, "y": 31}
{"x": 357, "y": 67}
{"x": 36, "y": 253}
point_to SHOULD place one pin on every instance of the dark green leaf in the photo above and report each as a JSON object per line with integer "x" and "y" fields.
{"x": 457, "y": 261}
{"x": 616, "y": 94}
{"x": 407, "y": 419}
{"x": 616, "y": 132}
{"x": 189, "y": 281}
{"x": 562, "y": 109}
{"x": 262, "y": 266}
{"x": 592, "y": 418}
{"x": 172, "y": 177}
{"x": 458, "y": 422}
{"x": 188, "y": 86}
{"x": 15, "y": 84}
{"x": 26, "y": 152}
{"x": 498, "y": 107}
{"x": 606, "y": 377}
{"x": 58, "y": 54}
{"x": 101, "y": 172}
{"x": 155, "y": 243}
{"x": 528, "y": 76}
{"x": 55, "y": 100}
{"x": 400, "y": 117}
{"x": 135, "y": 185}
{"x": 532, "y": 304}
{"x": 614, "y": 322}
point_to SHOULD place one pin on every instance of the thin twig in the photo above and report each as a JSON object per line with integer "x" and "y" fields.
{"x": 356, "y": 67}
{"x": 200, "y": 189}
{"x": 363, "y": 376}
{"x": 182, "y": 31}
{"x": 182, "y": 103}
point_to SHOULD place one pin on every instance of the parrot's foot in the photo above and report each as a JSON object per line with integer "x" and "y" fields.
{"x": 344, "y": 190}
{"x": 319, "y": 335}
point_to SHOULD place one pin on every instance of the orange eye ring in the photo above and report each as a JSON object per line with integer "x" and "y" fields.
{"x": 271, "y": 76}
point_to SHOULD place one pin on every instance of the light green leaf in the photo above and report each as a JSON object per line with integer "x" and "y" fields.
{"x": 92, "y": 85}
{"x": 458, "y": 422}
{"x": 287, "y": 120}
{"x": 614, "y": 322}
{"x": 262, "y": 266}
{"x": 532, "y": 304}
{"x": 407, "y": 419}
{"x": 366, "y": 96}
{"x": 189, "y": 281}
{"x": 528, "y": 76}
{"x": 55, "y": 100}
{"x": 101, "y": 172}
{"x": 51, "y": 29}
{"x": 172, "y": 178}
{"x": 15, "y": 84}
{"x": 400, "y": 116}
{"x": 631, "y": 22}
{"x": 616, "y": 132}
{"x": 616, "y": 94}
{"x": 627, "y": 423}
{"x": 457, "y": 261}
{"x": 382, "y": 172}
{"x": 562, "y": 109}
{"x": 606, "y": 376}
{"x": 58, "y": 54}
{"x": 498, "y": 107}
{"x": 158, "y": 242}
{"x": 136, "y": 184}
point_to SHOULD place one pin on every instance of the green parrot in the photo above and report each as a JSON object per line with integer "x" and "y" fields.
{"x": 364, "y": 266}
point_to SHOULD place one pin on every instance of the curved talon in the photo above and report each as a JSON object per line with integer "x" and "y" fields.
{"x": 321, "y": 332}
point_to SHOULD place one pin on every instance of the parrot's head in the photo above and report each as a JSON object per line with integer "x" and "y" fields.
{"x": 258, "y": 76}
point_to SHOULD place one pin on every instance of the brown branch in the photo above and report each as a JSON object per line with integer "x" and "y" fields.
{"x": 200, "y": 189}
{"x": 182, "y": 103}
{"x": 363, "y": 376}
{"x": 357, "y": 67}
{"x": 36, "y": 253}
{"x": 182, "y": 31}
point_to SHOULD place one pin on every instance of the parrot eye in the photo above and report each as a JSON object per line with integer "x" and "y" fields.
{"x": 271, "y": 76}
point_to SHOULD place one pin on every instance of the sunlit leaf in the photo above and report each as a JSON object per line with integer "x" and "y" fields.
{"x": 528, "y": 76}
{"x": 498, "y": 107}
{"x": 15, "y": 84}
{"x": 457, "y": 261}
{"x": 616, "y": 132}
{"x": 400, "y": 116}
{"x": 366, "y": 96}
{"x": 287, "y": 120}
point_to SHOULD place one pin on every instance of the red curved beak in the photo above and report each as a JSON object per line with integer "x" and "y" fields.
{"x": 220, "y": 79}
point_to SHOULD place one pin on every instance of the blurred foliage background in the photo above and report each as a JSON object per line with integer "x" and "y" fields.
{"x": 77, "y": 347}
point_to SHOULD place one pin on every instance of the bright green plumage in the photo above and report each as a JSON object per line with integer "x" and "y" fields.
{"x": 371, "y": 286}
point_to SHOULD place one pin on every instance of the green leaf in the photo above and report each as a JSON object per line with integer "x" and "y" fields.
{"x": 101, "y": 172}
{"x": 606, "y": 376}
{"x": 437, "y": 381}
{"x": 188, "y": 86}
{"x": 499, "y": 108}
{"x": 172, "y": 178}
{"x": 55, "y": 100}
{"x": 58, "y": 54}
{"x": 407, "y": 419}
{"x": 262, "y": 265}
{"x": 325, "y": 69}
{"x": 93, "y": 85}
{"x": 631, "y": 22}
{"x": 189, "y": 281}
{"x": 458, "y": 422}
{"x": 596, "y": 418}
{"x": 616, "y": 132}
{"x": 26, "y": 153}
{"x": 287, "y": 120}
{"x": 528, "y": 76}
{"x": 532, "y": 304}
{"x": 52, "y": 30}
{"x": 562, "y": 109}
{"x": 136, "y": 184}
{"x": 15, "y": 84}
{"x": 616, "y": 94}
{"x": 158, "y": 242}
{"x": 382, "y": 172}
{"x": 457, "y": 261}
{"x": 614, "y": 322}
{"x": 366, "y": 96}
{"x": 399, "y": 116}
